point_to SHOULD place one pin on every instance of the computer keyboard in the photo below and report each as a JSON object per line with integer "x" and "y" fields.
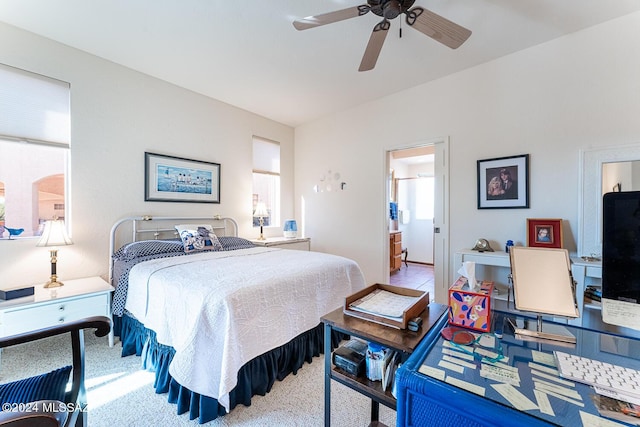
{"x": 616, "y": 381}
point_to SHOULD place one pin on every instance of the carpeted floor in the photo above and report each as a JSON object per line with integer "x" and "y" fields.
{"x": 120, "y": 394}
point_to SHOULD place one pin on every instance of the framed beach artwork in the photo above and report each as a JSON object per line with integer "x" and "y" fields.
{"x": 503, "y": 182}
{"x": 544, "y": 233}
{"x": 176, "y": 179}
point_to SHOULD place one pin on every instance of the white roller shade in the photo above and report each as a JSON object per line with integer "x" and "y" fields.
{"x": 266, "y": 155}
{"x": 34, "y": 107}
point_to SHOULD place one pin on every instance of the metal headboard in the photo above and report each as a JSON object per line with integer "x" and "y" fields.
{"x": 148, "y": 227}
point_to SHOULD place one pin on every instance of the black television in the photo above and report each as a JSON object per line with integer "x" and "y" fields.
{"x": 621, "y": 259}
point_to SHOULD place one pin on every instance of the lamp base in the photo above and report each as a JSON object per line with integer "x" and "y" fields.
{"x": 53, "y": 283}
{"x": 261, "y": 235}
{"x": 53, "y": 280}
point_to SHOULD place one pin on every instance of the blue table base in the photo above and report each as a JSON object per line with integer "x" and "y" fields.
{"x": 256, "y": 377}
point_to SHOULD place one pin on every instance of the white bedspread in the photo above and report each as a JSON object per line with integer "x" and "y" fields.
{"x": 219, "y": 310}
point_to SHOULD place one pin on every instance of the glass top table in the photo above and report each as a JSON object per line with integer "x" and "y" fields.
{"x": 514, "y": 374}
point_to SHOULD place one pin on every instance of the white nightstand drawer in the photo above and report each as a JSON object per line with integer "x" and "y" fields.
{"x": 43, "y": 315}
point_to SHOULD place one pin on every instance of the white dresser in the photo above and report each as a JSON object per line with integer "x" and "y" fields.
{"x": 75, "y": 300}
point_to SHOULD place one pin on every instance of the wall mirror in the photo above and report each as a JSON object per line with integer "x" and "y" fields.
{"x": 603, "y": 170}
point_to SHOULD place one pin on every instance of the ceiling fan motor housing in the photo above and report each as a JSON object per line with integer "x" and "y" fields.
{"x": 390, "y": 9}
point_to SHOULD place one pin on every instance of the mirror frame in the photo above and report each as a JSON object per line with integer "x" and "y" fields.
{"x": 590, "y": 200}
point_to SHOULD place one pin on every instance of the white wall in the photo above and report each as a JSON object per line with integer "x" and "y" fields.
{"x": 550, "y": 101}
{"x": 116, "y": 115}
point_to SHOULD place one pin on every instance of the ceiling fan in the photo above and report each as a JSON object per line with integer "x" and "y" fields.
{"x": 435, "y": 26}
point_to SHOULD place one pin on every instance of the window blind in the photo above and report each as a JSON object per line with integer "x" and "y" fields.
{"x": 33, "y": 107}
{"x": 266, "y": 156}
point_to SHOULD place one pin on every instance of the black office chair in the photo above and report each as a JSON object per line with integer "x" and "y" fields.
{"x": 42, "y": 401}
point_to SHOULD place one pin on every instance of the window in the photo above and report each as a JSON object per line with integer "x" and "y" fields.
{"x": 34, "y": 150}
{"x": 266, "y": 180}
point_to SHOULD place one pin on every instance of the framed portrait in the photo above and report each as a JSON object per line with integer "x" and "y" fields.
{"x": 503, "y": 183}
{"x": 544, "y": 233}
{"x": 176, "y": 179}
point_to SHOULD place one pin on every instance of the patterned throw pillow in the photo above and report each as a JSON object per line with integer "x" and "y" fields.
{"x": 145, "y": 248}
{"x": 230, "y": 243}
{"x": 196, "y": 237}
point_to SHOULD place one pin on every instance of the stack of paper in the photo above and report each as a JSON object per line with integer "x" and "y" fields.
{"x": 384, "y": 303}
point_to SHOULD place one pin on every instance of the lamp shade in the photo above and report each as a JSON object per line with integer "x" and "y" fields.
{"x": 261, "y": 210}
{"x": 54, "y": 234}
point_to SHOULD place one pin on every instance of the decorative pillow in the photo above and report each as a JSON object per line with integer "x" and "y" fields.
{"x": 198, "y": 238}
{"x": 230, "y": 243}
{"x": 50, "y": 386}
{"x": 143, "y": 248}
{"x": 193, "y": 226}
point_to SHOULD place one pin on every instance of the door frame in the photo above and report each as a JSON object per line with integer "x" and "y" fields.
{"x": 441, "y": 212}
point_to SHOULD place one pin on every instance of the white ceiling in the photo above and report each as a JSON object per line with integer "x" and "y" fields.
{"x": 247, "y": 53}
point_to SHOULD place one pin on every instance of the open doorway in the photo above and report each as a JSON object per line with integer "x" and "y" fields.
{"x": 418, "y": 217}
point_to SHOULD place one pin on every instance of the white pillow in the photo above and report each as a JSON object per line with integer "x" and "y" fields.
{"x": 198, "y": 237}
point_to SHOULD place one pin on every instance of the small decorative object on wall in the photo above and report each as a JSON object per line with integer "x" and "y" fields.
{"x": 503, "y": 182}
{"x": 617, "y": 188}
{"x": 329, "y": 182}
{"x": 175, "y": 179}
{"x": 544, "y": 233}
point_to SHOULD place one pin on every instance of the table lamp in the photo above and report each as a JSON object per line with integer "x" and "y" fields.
{"x": 261, "y": 213}
{"x": 54, "y": 235}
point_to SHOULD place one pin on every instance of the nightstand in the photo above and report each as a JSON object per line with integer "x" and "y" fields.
{"x": 299, "y": 243}
{"x": 75, "y": 300}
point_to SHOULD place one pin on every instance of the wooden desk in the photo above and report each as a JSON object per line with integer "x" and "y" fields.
{"x": 403, "y": 341}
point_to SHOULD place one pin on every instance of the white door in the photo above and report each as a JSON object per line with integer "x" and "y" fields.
{"x": 441, "y": 222}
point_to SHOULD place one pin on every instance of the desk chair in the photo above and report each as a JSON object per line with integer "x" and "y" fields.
{"x": 47, "y": 391}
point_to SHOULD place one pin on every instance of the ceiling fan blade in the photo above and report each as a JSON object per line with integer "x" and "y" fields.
{"x": 331, "y": 17}
{"x": 438, "y": 28}
{"x": 374, "y": 46}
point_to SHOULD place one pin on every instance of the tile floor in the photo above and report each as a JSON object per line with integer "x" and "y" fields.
{"x": 414, "y": 276}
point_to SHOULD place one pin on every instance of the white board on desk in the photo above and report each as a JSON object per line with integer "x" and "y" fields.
{"x": 542, "y": 281}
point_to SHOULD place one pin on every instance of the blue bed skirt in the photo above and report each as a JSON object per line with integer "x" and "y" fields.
{"x": 256, "y": 377}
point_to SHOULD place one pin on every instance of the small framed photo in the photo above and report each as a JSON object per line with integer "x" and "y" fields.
{"x": 175, "y": 179}
{"x": 503, "y": 183}
{"x": 544, "y": 233}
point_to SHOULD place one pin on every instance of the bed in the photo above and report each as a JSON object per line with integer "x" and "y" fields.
{"x": 217, "y": 318}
